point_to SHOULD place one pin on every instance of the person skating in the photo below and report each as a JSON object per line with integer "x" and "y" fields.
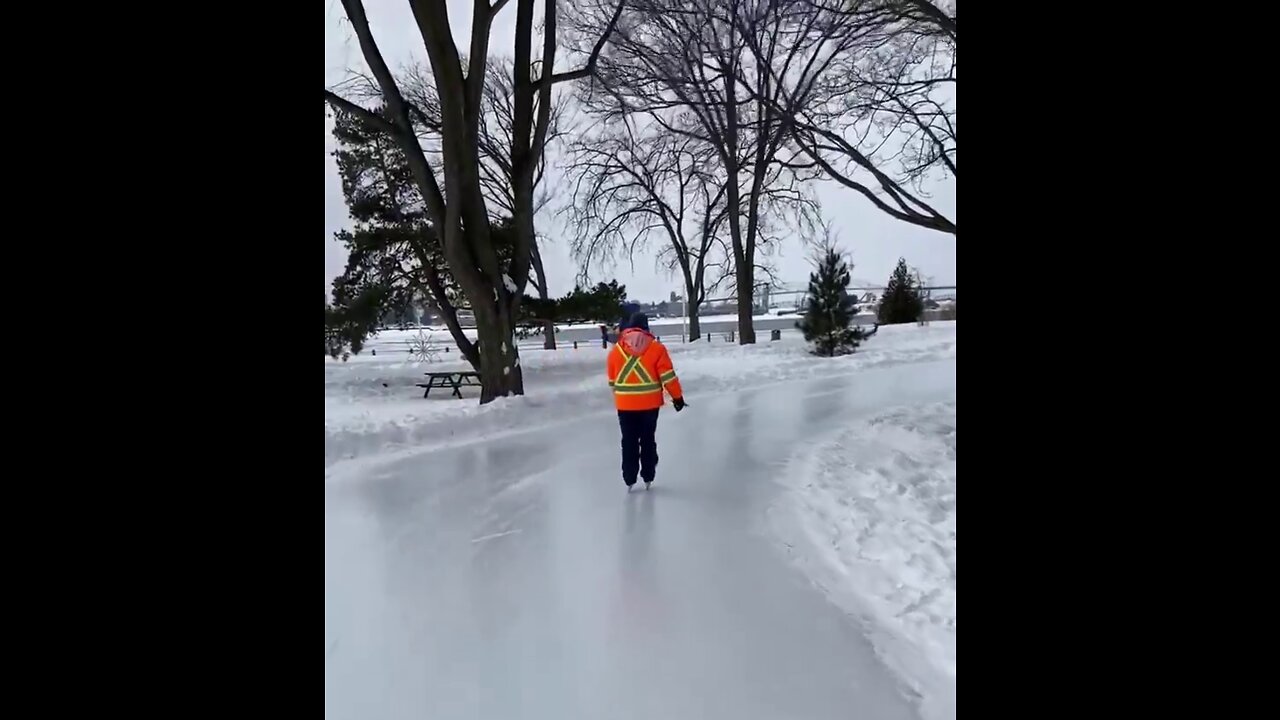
{"x": 639, "y": 370}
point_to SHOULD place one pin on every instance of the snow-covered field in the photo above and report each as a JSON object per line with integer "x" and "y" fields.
{"x": 371, "y": 403}
{"x": 872, "y": 519}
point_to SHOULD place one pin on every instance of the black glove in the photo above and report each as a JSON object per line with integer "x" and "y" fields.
{"x": 679, "y": 403}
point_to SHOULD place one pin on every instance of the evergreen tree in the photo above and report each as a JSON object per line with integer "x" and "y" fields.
{"x": 395, "y": 257}
{"x": 829, "y": 308}
{"x": 599, "y": 304}
{"x": 902, "y": 302}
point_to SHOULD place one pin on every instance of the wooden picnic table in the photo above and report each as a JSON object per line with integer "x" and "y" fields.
{"x": 454, "y": 379}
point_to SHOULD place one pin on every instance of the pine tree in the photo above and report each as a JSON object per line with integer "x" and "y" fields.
{"x": 829, "y": 308}
{"x": 395, "y": 258}
{"x": 902, "y": 302}
{"x": 595, "y": 305}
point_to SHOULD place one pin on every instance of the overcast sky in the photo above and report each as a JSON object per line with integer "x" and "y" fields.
{"x": 874, "y": 240}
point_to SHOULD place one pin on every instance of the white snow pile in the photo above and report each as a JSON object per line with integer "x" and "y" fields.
{"x": 871, "y": 518}
{"x": 372, "y": 405}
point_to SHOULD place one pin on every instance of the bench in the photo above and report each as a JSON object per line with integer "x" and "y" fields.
{"x": 454, "y": 380}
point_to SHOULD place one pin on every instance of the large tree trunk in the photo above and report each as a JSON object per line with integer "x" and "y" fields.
{"x": 742, "y": 260}
{"x": 692, "y": 299}
{"x": 549, "y": 333}
{"x": 746, "y": 282}
{"x": 548, "y": 326}
{"x": 500, "y": 372}
{"x": 495, "y": 320}
{"x": 744, "y": 267}
{"x": 743, "y": 250}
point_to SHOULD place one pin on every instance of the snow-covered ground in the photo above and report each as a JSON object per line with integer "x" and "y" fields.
{"x": 372, "y": 405}
{"x": 872, "y": 518}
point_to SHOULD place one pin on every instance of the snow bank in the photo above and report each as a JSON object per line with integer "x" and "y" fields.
{"x": 872, "y": 514}
{"x": 371, "y": 405}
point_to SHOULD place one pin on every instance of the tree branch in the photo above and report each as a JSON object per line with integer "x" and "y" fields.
{"x": 368, "y": 116}
{"x": 933, "y": 222}
{"x": 549, "y": 78}
{"x": 423, "y": 173}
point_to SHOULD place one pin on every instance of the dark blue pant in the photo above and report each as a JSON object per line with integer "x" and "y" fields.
{"x": 639, "y": 447}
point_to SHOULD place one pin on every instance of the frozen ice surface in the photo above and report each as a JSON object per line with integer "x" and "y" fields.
{"x": 518, "y": 579}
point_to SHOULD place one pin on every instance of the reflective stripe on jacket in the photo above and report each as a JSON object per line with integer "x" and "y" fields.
{"x": 639, "y": 369}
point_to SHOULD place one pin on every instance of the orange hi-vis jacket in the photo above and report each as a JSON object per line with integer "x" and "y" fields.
{"x": 639, "y": 368}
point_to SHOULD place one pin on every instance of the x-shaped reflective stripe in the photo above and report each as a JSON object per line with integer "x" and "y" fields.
{"x": 633, "y": 363}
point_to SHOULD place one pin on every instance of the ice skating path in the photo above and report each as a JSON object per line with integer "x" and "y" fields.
{"x": 522, "y": 581}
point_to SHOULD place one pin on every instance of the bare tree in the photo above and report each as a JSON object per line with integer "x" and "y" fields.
{"x": 495, "y": 127}
{"x": 497, "y": 174}
{"x": 459, "y": 209}
{"x": 874, "y": 84}
{"x": 495, "y": 138}
{"x": 686, "y": 66}
{"x": 630, "y": 185}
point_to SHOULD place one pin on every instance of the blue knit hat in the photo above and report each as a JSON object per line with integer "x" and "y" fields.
{"x": 628, "y": 309}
